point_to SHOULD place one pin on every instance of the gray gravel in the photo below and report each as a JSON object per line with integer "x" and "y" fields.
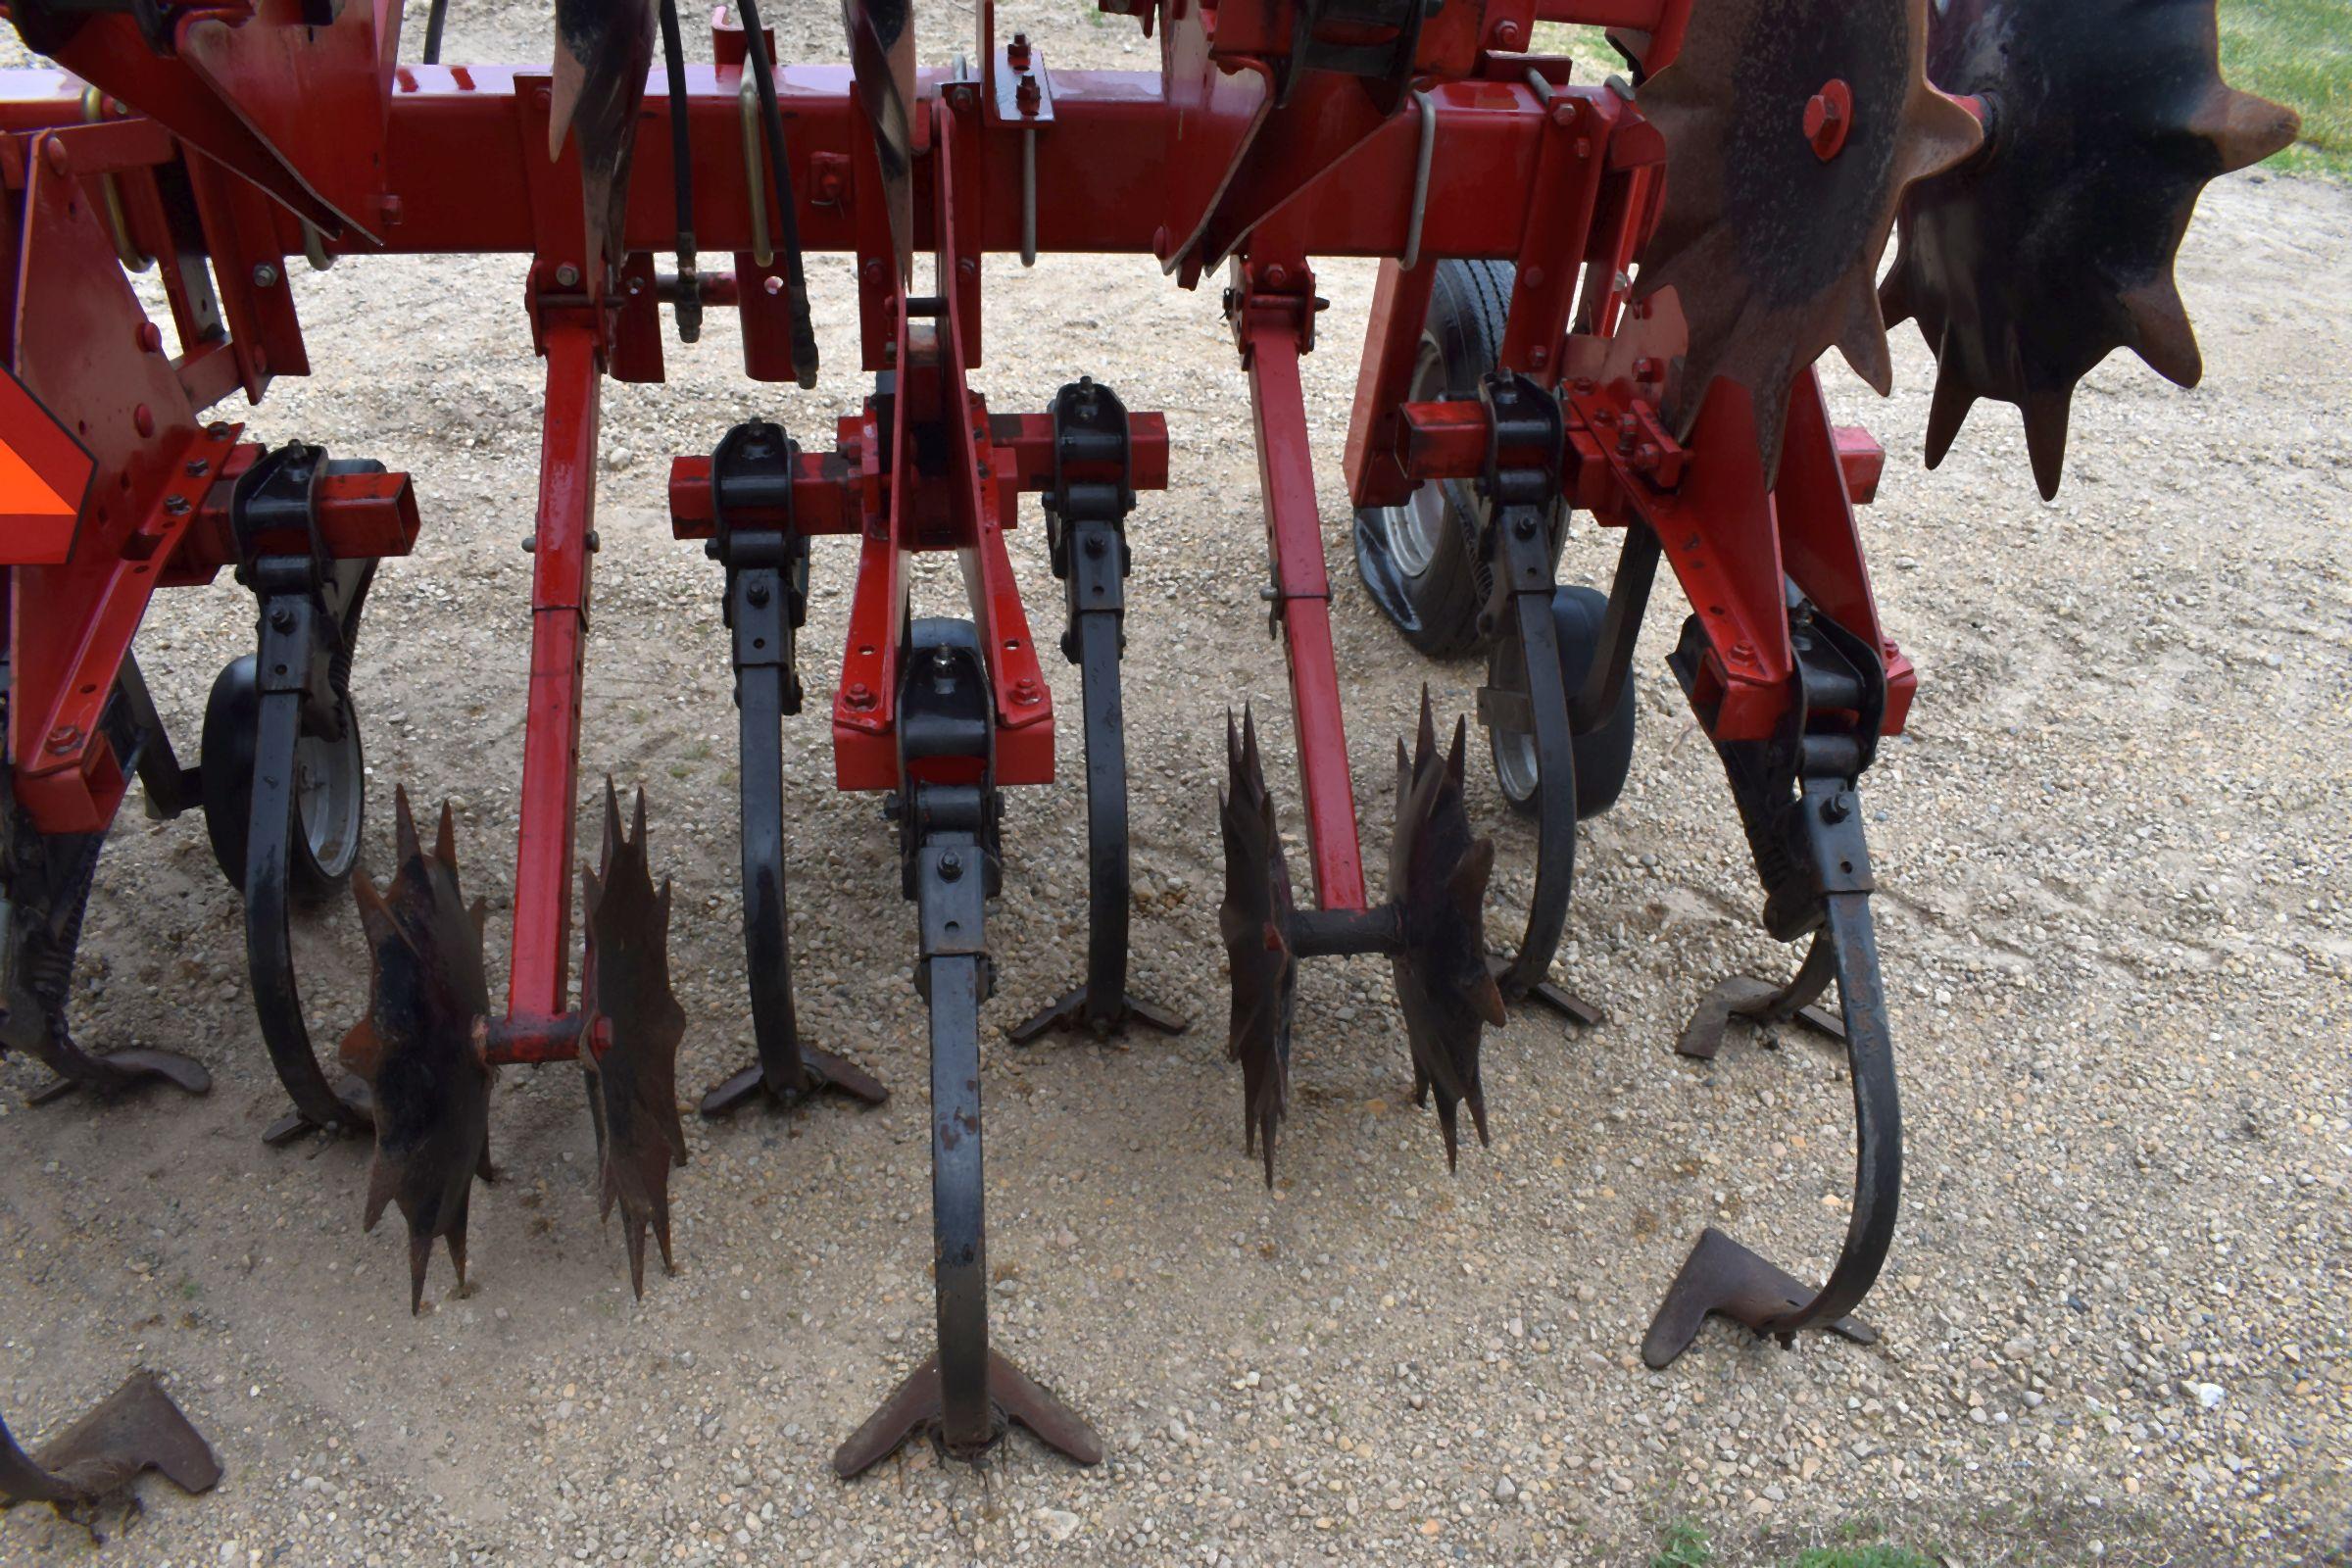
{"x": 2111, "y": 851}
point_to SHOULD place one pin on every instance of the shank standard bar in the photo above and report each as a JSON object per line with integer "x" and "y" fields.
{"x": 539, "y": 972}
{"x": 1303, "y": 597}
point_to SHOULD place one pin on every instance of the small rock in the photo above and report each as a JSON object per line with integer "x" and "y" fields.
{"x": 1504, "y": 1491}
{"x": 1058, "y": 1523}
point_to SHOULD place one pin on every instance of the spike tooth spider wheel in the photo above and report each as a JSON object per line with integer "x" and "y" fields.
{"x": 2029, "y": 265}
{"x": 630, "y": 1028}
{"x": 1437, "y": 888}
{"x": 1773, "y": 227}
{"x": 421, "y": 1047}
{"x": 1432, "y": 927}
{"x": 1255, "y": 921}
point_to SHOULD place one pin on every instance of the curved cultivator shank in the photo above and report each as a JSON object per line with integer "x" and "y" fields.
{"x": 420, "y": 1047}
{"x": 630, "y": 1032}
{"x": 2033, "y": 262}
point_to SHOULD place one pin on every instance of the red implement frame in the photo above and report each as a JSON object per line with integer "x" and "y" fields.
{"x": 1562, "y": 179}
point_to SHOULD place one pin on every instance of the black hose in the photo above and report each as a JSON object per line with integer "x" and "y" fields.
{"x": 788, "y": 220}
{"x": 433, "y": 20}
{"x": 681, "y": 173}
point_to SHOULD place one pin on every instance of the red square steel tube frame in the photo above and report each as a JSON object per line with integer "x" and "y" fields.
{"x": 539, "y": 971}
{"x": 1273, "y": 308}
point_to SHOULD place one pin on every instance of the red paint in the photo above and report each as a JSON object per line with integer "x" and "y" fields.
{"x": 539, "y": 973}
{"x": 1270, "y": 330}
{"x": 1830, "y": 118}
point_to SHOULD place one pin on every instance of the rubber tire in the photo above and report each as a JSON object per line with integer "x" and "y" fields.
{"x": 1436, "y": 602}
{"x": 231, "y": 715}
{"x": 1604, "y": 756}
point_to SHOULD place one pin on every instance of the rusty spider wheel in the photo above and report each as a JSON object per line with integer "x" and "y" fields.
{"x": 1792, "y": 132}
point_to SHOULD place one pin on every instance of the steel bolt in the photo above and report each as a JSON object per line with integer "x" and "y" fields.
{"x": 1277, "y": 276}
{"x": 65, "y": 737}
{"x": 198, "y": 467}
{"x": 1016, "y": 53}
{"x": 1838, "y": 807}
{"x": 859, "y": 694}
{"x": 1093, "y": 546}
{"x": 873, "y": 272}
{"x": 54, "y": 153}
{"x": 1025, "y": 691}
{"x": 1829, "y": 117}
{"x": 950, "y": 866}
{"x": 151, "y": 338}
{"x": 530, "y": 542}
{"x": 1506, "y": 35}
{"x": 1538, "y": 356}
{"x": 756, "y": 593}
{"x": 282, "y": 619}
{"x": 392, "y": 210}
{"x": 142, "y": 419}
{"x": 264, "y": 275}
{"x": 595, "y": 544}
{"x": 177, "y": 506}
{"x": 1563, "y": 112}
{"x": 960, "y": 97}
{"x": 567, "y": 276}
{"x": 965, "y": 267}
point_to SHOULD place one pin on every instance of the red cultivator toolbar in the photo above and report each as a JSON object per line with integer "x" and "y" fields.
{"x": 1597, "y": 298}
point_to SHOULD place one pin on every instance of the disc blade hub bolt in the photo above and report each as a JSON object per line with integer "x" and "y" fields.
{"x": 1829, "y": 117}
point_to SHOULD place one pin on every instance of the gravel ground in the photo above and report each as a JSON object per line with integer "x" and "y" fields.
{"x": 2111, "y": 851}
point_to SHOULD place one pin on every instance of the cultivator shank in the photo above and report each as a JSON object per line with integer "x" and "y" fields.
{"x": 1598, "y": 300}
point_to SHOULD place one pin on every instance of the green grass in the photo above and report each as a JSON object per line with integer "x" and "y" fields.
{"x": 2298, "y": 52}
{"x": 1685, "y": 1546}
{"x": 1880, "y": 1555}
